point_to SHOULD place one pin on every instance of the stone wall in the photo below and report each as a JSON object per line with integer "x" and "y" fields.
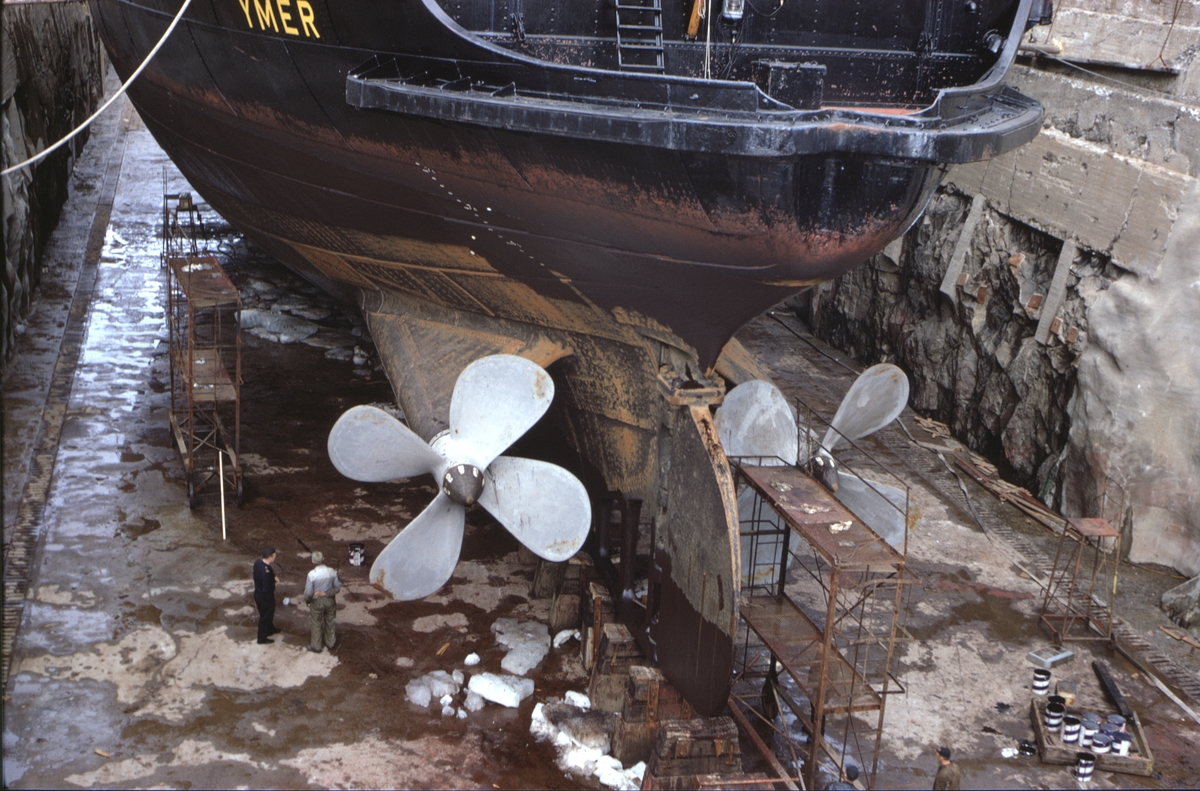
{"x": 1083, "y": 387}
{"x": 52, "y": 79}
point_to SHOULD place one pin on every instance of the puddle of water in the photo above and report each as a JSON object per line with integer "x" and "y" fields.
{"x": 138, "y": 529}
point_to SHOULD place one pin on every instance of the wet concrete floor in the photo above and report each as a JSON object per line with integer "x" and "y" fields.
{"x": 136, "y": 664}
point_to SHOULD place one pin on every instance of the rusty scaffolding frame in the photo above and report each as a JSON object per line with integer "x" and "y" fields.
{"x": 822, "y": 599}
{"x": 203, "y": 318}
{"x": 1079, "y": 597}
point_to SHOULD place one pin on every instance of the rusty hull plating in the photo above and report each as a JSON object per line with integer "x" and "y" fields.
{"x": 608, "y": 197}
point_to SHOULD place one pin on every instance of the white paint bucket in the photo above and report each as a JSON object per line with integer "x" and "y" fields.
{"x": 1054, "y": 716}
{"x": 1041, "y": 681}
{"x": 1084, "y": 764}
{"x": 1070, "y": 729}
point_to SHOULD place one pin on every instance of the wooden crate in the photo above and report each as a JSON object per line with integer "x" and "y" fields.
{"x": 1140, "y": 760}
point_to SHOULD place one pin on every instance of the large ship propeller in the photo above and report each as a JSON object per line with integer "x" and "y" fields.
{"x": 756, "y": 420}
{"x": 495, "y": 401}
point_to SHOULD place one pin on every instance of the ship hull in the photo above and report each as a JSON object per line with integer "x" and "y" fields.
{"x": 476, "y": 196}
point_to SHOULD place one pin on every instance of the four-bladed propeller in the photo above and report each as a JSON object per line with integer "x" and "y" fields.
{"x": 495, "y": 401}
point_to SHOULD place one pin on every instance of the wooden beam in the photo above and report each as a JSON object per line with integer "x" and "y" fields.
{"x": 1058, "y": 290}
{"x": 962, "y": 247}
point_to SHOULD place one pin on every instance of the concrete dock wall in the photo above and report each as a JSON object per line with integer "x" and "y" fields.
{"x": 52, "y": 78}
{"x": 1063, "y": 343}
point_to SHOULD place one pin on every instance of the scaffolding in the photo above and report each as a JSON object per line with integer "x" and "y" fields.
{"x": 1082, "y": 590}
{"x": 821, "y": 603}
{"x": 203, "y": 317}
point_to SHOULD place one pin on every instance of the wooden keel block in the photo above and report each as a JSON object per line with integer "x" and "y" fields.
{"x": 618, "y": 651}
{"x": 649, "y": 700}
{"x": 702, "y": 746}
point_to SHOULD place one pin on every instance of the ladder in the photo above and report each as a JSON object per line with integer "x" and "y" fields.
{"x": 639, "y": 35}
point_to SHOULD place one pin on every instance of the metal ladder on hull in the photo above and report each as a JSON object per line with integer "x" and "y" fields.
{"x": 639, "y": 36}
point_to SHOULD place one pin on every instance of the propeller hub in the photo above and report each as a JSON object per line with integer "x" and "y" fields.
{"x": 825, "y": 470}
{"x": 463, "y": 483}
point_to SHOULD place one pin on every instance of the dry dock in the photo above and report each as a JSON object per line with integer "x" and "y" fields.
{"x": 130, "y": 657}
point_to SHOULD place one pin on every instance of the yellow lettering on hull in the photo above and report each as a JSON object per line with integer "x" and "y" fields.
{"x": 274, "y": 14}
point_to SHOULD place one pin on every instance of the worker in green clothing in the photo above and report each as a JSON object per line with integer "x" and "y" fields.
{"x": 949, "y": 776}
{"x": 320, "y": 591}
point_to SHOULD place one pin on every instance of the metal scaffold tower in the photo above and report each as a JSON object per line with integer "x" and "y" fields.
{"x": 821, "y": 605}
{"x": 1082, "y": 591}
{"x": 203, "y": 316}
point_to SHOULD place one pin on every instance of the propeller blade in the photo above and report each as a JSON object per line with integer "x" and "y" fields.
{"x": 368, "y": 444}
{"x": 496, "y": 399}
{"x": 422, "y": 557}
{"x": 543, "y": 505}
{"x": 756, "y": 420}
{"x": 881, "y": 508}
{"x": 876, "y": 398}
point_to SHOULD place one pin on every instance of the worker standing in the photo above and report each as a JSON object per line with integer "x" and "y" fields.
{"x": 320, "y": 591}
{"x": 264, "y": 595}
{"x": 949, "y": 776}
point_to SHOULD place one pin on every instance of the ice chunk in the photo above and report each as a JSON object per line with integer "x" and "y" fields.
{"x": 566, "y": 634}
{"x": 418, "y": 692}
{"x": 279, "y": 323}
{"x": 441, "y": 683}
{"x": 438, "y": 685}
{"x": 528, "y": 643}
{"x": 471, "y": 660}
{"x": 578, "y": 699}
{"x": 458, "y": 677}
{"x": 506, "y": 690}
{"x": 447, "y": 711}
{"x": 462, "y": 714}
{"x": 610, "y": 772}
{"x": 474, "y": 701}
{"x": 585, "y": 728}
{"x": 445, "y": 701}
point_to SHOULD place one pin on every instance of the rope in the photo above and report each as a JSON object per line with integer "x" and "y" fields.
{"x": 47, "y": 152}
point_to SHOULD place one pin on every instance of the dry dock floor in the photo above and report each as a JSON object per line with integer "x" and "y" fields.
{"x": 135, "y": 664}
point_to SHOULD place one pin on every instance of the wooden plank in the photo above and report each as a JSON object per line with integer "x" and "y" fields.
{"x": 766, "y": 752}
{"x": 962, "y": 247}
{"x": 1112, "y": 690}
{"x": 1078, "y": 190}
{"x": 1058, "y": 291}
{"x": 843, "y": 540}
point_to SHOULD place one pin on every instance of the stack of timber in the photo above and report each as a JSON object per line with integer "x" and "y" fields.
{"x": 688, "y": 752}
{"x": 649, "y": 701}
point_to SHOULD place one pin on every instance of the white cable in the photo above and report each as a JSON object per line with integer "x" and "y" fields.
{"x": 105, "y": 106}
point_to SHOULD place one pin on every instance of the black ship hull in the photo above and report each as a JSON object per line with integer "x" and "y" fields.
{"x": 540, "y": 181}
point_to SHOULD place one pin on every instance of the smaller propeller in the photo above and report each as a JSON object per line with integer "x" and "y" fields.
{"x": 496, "y": 399}
{"x": 756, "y": 420}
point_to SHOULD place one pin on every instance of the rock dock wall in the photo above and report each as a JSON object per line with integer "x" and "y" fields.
{"x": 1064, "y": 343}
{"x": 52, "y": 78}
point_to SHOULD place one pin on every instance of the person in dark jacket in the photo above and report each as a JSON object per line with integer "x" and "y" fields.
{"x": 949, "y": 776}
{"x": 264, "y": 595}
